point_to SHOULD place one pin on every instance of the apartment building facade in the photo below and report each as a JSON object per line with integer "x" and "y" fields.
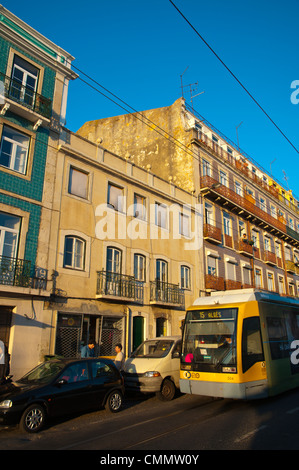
{"x": 127, "y": 251}
{"x": 34, "y": 74}
{"x": 251, "y": 223}
{"x": 63, "y": 277}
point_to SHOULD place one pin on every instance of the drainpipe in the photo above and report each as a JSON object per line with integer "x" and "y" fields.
{"x": 127, "y": 331}
{"x": 284, "y": 268}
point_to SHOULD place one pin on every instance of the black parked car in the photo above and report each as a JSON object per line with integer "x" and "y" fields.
{"x": 59, "y": 387}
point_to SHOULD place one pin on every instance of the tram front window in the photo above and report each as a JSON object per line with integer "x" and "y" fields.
{"x": 209, "y": 342}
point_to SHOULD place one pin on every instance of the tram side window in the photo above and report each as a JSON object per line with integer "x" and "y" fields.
{"x": 278, "y": 337}
{"x": 252, "y": 349}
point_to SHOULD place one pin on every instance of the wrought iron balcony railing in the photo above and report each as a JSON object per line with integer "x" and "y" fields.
{"x": 25, "y": 96}
{"x": 18, "y": 273}
{"x": 164, "y": 293}
{"x": 117, "y": 285}
{"x": 14, "y": 272}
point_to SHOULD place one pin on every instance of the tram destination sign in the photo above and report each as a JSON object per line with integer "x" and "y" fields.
{"x": 215, "y": 314}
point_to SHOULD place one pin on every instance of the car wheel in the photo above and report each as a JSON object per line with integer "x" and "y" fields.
{"x": 114, "y": 401}
{"x": 167, "y": 391}
{"x": 33, "y": 418}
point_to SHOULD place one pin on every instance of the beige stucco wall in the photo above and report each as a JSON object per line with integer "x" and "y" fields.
{"x": 157, "y": 137}
{"x": 77, "y": 216}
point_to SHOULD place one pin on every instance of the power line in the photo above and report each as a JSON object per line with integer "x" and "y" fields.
{"x": 234, "y": 76}
{"x": 145, "y": 120}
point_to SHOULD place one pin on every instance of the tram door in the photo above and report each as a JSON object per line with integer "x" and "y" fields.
{"x": 281, "y": 327}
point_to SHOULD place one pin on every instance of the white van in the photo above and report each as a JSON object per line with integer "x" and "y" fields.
{"x": 155, "y": 367}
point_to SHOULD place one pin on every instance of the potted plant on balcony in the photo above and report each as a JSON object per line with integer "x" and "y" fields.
{"x": 246, "y": 240}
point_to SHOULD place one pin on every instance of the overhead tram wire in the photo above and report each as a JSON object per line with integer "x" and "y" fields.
{"x": 152, "y": 125}
{"x": 143, "y": 119}
{"x": 136, "y": 113}
{"x": 234, "y": 76}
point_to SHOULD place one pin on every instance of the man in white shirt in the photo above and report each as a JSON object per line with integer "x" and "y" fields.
{"x": 120, "y": 358}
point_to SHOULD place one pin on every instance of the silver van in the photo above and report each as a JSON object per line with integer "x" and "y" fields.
{"x": 154, "y": 367}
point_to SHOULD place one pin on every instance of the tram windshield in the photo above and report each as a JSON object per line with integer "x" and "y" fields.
{"x": 209, "y": 342}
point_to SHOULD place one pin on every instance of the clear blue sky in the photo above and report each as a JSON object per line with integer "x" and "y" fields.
{"x": 139, "y": 49}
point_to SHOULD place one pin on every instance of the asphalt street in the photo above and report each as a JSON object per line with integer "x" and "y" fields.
{"x": 187, "y": 423}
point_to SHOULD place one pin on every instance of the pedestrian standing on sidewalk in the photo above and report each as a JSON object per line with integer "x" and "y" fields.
{"x": 120, "y": 358}
{"x": 88, "y": 350}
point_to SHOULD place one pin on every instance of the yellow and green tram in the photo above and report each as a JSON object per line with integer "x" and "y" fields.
{"x": 240, "y": 344}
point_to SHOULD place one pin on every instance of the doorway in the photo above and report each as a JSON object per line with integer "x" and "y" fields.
{"x": 138, "y": 331}
{"x": 161, "y": 326}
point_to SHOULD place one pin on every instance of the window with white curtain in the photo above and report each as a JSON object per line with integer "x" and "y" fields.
{"x": 78, "y": 183}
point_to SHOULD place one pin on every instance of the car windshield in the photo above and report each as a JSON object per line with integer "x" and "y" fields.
{"x": 153, "y": 348}
{"x": 43, "y": 373}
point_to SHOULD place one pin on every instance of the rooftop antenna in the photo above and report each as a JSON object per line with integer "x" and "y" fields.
{"x": 193, "y": 96}
{"x": 182, "y": 81}
{"x": 271, "y": 166}
{"x": 238, "y": 134}
{"x": 286, "y": 178}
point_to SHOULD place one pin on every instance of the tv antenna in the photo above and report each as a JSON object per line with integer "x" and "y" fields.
{"x": 190, "y": 87}
{"x": 286, "y": 178}
{"x": 182, "y": 81}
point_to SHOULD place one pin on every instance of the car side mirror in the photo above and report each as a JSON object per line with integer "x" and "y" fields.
{"x": 175, "y": 355}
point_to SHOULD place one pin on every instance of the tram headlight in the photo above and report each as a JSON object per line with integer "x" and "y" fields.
{"x": 186, "y": 366}
{"x": 231, "y": 370}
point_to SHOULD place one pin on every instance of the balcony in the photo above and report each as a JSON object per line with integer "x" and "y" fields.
{"x": 244, "y": 206}
{"x": 290, "y": 266}
{"x": 115, "y": 286}
{"x": 232, "y": 284}
{"x": 166, "y": 294}
{"x": 279, "y": 262}
{"x": 16, "y": 272}
{"x": 214, "y": 282}
{"x": 24, "y": 100}
{"x": 270, "y": 258}
{"x": 241, "y": 165}
{"x": 293, "y": 233}
{"x": 228, "y": 241}
{"x": 212, "y": 234}
{"x": 244, "y": 247}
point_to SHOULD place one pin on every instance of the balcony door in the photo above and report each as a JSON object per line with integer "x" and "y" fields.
{"x": 113, "y": 262}
{"x": 161, "y": 271}
{"x": 9, "y": 236}
{"x": 209, "y": 216}
{"x": 24, "y": 81}
{"x": 113, "y": 271}
{"x": 161, "y": 279}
